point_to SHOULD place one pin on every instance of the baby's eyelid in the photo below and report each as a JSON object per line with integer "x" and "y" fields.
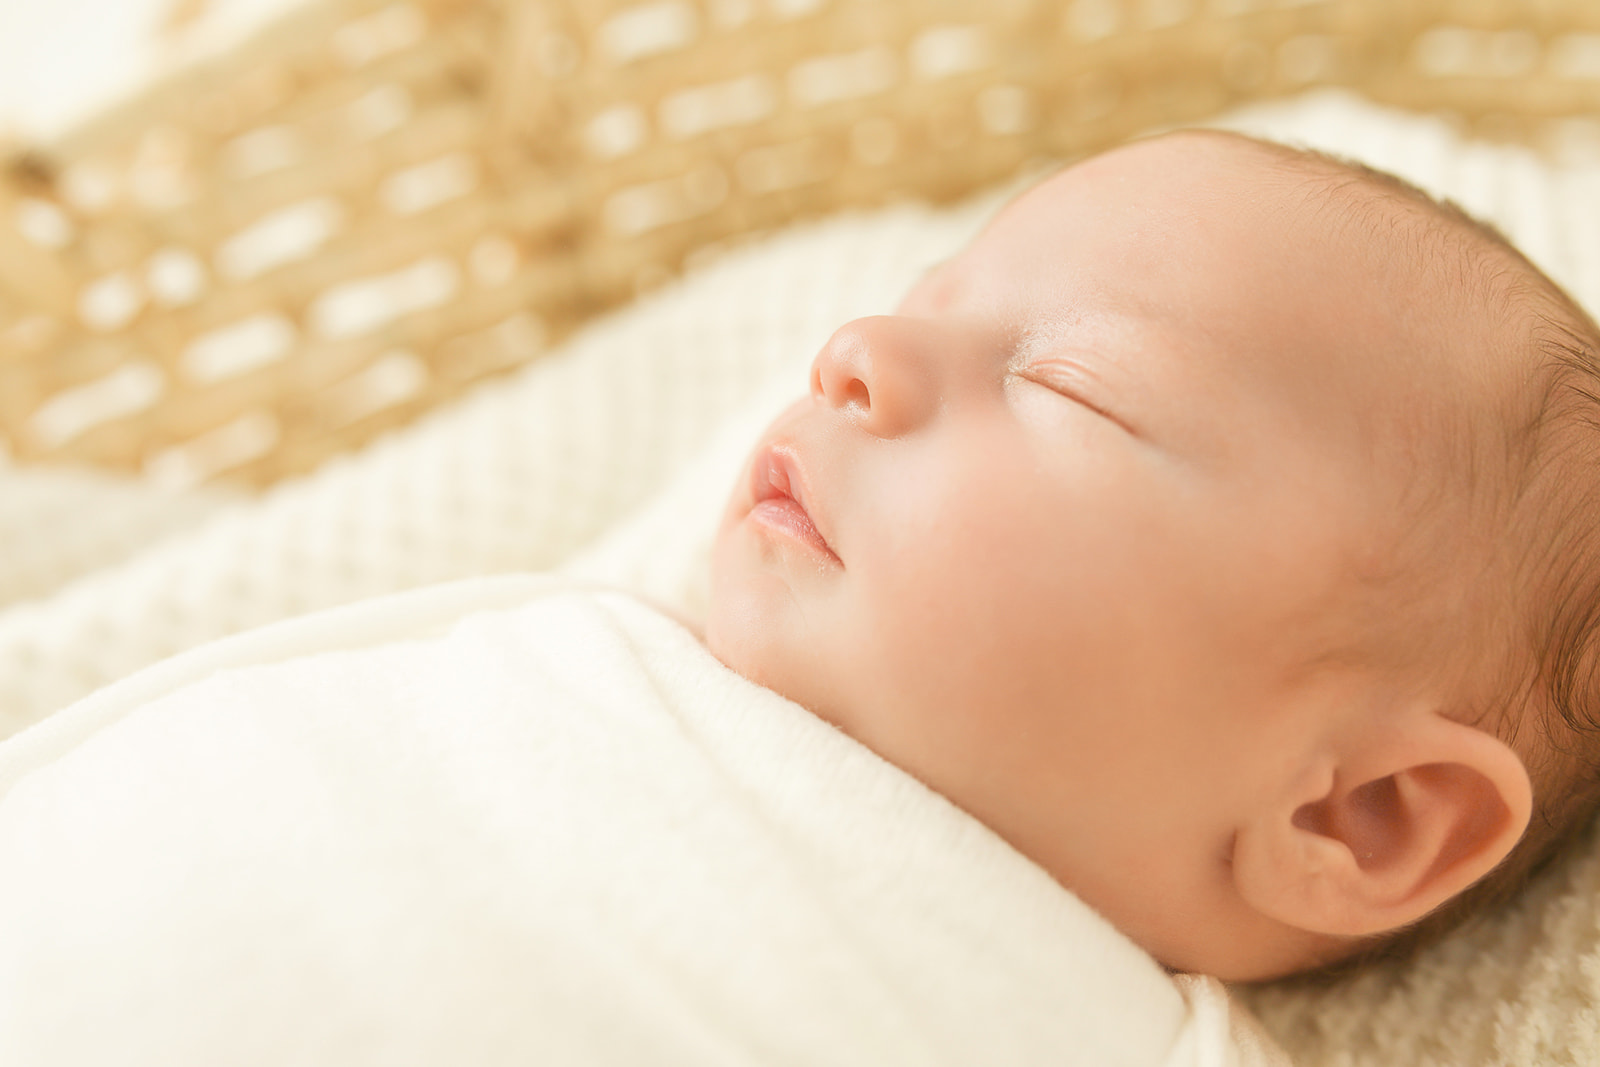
{"x": 1069, "y": 380}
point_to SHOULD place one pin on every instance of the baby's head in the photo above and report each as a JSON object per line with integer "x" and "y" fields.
{"x": 1216, "y": 528}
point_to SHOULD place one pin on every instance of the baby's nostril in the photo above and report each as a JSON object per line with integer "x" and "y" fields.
{"x": 855, "y": 394}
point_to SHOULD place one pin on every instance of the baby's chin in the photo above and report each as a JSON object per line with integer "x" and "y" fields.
{"x": 751, "y": 628}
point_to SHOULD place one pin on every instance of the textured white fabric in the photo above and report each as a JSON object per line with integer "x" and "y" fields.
{"x": 559, "y": 832}
{"x": 57, "y": 525}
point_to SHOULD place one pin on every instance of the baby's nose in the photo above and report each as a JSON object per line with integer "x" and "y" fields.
{"x": 877, "y": 370}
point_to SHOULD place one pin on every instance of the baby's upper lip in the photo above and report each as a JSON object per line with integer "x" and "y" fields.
{"x": 778, "y": 473}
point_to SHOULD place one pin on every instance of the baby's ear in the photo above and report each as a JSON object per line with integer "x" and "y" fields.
{"x": 1387, "y": 831}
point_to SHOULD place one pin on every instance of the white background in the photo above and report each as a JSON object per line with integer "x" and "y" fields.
{"x": 61, "y": 60}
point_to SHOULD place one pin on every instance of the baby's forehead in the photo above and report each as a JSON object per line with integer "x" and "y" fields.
{"x": 1287, "y": 270}
{"x": 1319, "y": 189}
{"x": 1462, "y": 279}
{"x": 1377, "y": 320}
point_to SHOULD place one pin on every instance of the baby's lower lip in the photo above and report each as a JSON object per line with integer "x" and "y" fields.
{"x": 786, "y": 516}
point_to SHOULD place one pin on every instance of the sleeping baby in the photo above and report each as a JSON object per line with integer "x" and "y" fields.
{"x": 1192, "y": 576}
{"x": 1216, "y": 529}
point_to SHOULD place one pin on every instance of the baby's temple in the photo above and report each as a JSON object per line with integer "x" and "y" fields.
{"x": 822, "y": 532}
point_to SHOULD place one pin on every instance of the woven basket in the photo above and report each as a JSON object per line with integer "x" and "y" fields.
{"x": 272, "y": 258}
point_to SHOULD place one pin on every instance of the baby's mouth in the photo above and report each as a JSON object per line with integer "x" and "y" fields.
{"x": 779, "y": 501}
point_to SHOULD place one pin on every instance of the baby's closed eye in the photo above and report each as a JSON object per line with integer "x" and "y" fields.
{"x": 1071, "y": 379}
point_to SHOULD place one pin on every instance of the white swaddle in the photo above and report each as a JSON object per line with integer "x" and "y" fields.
{"x": 518, "y": 821}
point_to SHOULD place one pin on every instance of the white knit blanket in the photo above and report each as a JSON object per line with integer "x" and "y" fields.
{"x": 513, "y": 822}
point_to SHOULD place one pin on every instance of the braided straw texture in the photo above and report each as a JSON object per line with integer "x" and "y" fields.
{"x": 375, "y": 203}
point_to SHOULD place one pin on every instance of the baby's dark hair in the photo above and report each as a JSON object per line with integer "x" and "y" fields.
{"x": 1549, "y": 705}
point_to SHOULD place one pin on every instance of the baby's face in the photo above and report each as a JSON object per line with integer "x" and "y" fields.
{"x": 1059, "y": 535}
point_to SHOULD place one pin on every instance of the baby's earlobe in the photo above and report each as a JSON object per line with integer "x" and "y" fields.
{"x": 1396, "y": 829}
